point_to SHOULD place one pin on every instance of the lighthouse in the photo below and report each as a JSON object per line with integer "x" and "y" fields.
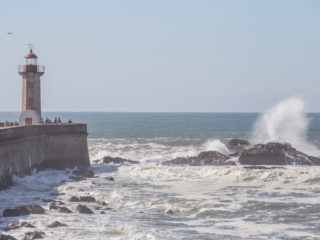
{"x": 31, "y": 91}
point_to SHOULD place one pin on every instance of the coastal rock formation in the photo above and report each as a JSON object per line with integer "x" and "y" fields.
{"x": 82, "y": 199}
{"x": 83, "y": 173}
{"x": 109, "y": 178}
{"x": 237, "y": 145}
{"x": 23, "y": 210}
{"x": 276, "y": 154}
{"x": 84, "y": 209}
{"x": 60, "y": 209}
{"x": 12, "y": 226}
{"x": 33, "y": 235}
{"x": 56, "y": 224}
{"x": 6, "y": 237}
{"x": 213, "y": 158}
{"x": 118, "y": 160}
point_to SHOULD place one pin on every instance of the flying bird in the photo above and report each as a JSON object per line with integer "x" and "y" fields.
{"x": 9, "y": 33}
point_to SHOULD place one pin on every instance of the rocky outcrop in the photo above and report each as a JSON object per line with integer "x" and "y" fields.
{"x": 109, "y": 178}
{"x": 60, "y": 209}
{"x": 23, "y": 210}
{"x": 237, "y": 145}
{"x": 6, "y": 237}
{"x": 118, "y": 160}
{"x": 33, "y": 235}
{"x": 82, "y": 199}
{"x": 12, "y": 226}
{"x": 83, "y": 173}
{"x": 84, "y": 209}
{"x": 213, "y": 158}
{"x": 56, "y": 224}
{"x": 276, "y": 154}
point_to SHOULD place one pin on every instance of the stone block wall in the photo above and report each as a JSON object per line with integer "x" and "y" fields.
{"x": 55, "y": 146}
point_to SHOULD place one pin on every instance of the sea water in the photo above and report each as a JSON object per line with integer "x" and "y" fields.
{"x": 152, "y": 201}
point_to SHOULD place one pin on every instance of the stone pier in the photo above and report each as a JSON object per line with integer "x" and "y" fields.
{"x": 43, "y": 146}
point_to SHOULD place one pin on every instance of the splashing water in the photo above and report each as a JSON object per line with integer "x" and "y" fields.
{"x": 216, "y": 145}
{"x": 285, "y": 123}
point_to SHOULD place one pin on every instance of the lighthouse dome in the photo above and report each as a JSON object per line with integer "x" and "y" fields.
{"x": 31, "y": 55}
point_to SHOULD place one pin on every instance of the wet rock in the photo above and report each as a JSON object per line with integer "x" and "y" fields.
{"x": 169, "y": 212}
{"x": 57, "y": 194}
{"x": 237, "y": 145}
{"x": 87, "y": 199}
{"x": 12, "y": 226}
{"x": 83, "y": 173}
{"x": 276, "y": 154}
{"x": 102, "y": 212}
{"x": 6, "y": 237}
{"x": 56, "y": 224}
{"x": 84, "y": 209}
{"x": 109, "y": 178}
{"x": 82, "y": 199}
{"x": 74, "y": 199}
{"x": 57, "y": 202}
{"x": 118, "y": 160}
{"x": 103, "y": 203}
{"x": 33, "y": 235}
{"x": 23, "y": 210}
{"x": 77, "y": 178}
{"x": 60, "y": 209}
{"x": 204, "y": 158}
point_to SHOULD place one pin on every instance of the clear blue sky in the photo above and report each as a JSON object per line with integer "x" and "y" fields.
{"x": 165, "y": 55}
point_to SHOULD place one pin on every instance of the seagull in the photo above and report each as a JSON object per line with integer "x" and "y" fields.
{"x": 9, "y": 33}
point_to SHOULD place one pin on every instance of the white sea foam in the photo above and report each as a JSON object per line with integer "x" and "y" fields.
{"x": 286, "y": 123}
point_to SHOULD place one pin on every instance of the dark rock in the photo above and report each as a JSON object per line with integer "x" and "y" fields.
{"x": 56, "y": 224}
{"x": 276, "y": 154}
{"x": 87, "y": 199}
{"x": 102, "y": 212}
{"x": 109, "y": 178}
{"x": 204, "y": 158}
{"x": 33, "y": 235}
{"x": 118, "y": 160}
{"x": 6, "y": 237}
{"x": 53, "y": 201}
{"x": 82, "y": 199}
{"x": 12, "y": 226}
{"x": 84, "y": 209}
{"x": 57, "y": 194}
{"x": 60, "y": 209}
{"x": 237, "y": 145}
{"x": 83, "y": 173}
{"x": 103, "y": 203}
{"x": 169, "y": 212}
{"x": 74, "y": 199}
{"x": 97, "y": 207}
{"x": 23, "y": 210}
{"x": 77, "y": 178}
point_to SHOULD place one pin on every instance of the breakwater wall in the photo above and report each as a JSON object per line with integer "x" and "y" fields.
{"x": 45, "y": 146}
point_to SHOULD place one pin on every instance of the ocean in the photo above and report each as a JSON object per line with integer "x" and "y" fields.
{"x": 153, "y": 201}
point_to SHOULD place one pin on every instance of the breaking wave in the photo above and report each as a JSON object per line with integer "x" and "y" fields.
{"x": 285, "y": 123}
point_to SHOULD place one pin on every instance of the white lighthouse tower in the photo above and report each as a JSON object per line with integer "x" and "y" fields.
{"x": 31, "y": 92}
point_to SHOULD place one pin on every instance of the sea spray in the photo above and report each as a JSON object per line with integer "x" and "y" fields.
{"x": 286, "y": 123}
{"x": 216, "y": 145}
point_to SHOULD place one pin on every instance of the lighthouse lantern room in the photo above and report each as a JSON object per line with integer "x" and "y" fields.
{"x": 31, "y": 91}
